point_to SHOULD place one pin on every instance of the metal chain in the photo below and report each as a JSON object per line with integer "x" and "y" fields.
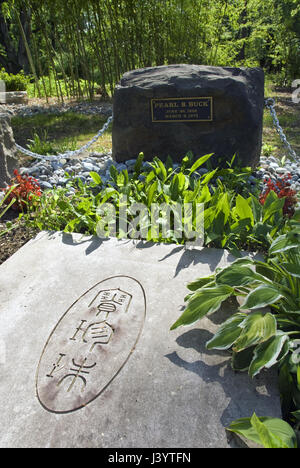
{"x": 67, "y": 154}
{"x": 270, "y": 104}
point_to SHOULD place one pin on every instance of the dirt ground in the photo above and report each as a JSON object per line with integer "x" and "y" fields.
{"x": 12, "y": 241}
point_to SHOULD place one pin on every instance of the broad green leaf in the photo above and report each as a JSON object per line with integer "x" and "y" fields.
{"x": 96, "y": 178}
{"x": 271, "y": 197}
{"x": 208, "y": 177}
{"x": 243, "y": 209}
{"x": 163, "y": 171}
{"x": 108, "y": 193}
{"x": 296, "y": 414}
{"x": 228, "y": 332}
{"x": 181, "y": 181}
{"x": 243, "y": 261}
{"x": 292, "y": 269}
{"x": 223, "y": 206}
{"x": 203, "y": 302}
{"x": 219, "y": 224}
{"x": 266, "y": 354}
{"x": 275, "y": 207}
{"x": 209, "y": 214}
{"x": 174, "y": 188}
{"x": 151, "y": 193}
{"x": 241, "y": 361}
{"x": 138, "y": 164}
{"x": 240, "y": 226}
{"x": 199, "y": 162}
{"x": 256, "y": 209}
{"x": 211, "y": 237}
{"x": 204, "y": 195}
{"x": 150, "y": 177}
{"x": 114, "y": 173}
{"x": 276, "y": 426}
{"x": 256, "y": 328}
{"x": 262, "y": 296}
{"x": 267, "y": 439}
{"x": 285, "y": 386}
{"x": 283, "y": 243}
{"x": 199, "y": 283}
{"x": 260, "y": 230}
{"x": 238, "y": 275}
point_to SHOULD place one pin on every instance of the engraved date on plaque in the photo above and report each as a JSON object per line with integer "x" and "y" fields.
{"x": 188, "y": 109}
{"x": 90, "y": 344}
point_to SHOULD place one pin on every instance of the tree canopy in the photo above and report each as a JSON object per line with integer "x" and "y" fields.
{"x": 91, "y": 43}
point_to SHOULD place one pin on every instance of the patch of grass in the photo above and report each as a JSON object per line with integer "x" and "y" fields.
{"x": 289, "y": 119}
{"x": 61, "y": 129}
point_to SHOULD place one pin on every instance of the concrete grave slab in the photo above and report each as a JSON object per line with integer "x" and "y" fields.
{"x": 87, "y": 358}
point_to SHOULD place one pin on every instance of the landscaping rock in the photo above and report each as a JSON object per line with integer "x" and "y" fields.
{"x": 16, "y": 97}
{"x": 8, "y": 158}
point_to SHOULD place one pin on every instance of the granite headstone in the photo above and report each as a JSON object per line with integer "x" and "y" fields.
{"x": 170, "y": 110}
{"x": 8, "y": 158}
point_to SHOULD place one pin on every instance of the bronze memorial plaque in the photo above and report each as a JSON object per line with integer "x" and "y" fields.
{"x": 187, "y": 109}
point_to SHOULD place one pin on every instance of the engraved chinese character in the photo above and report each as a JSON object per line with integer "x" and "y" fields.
{"x": 57, "y": 366}
{"x": 97, "y": 333}
{"x": 78, "y": 371}
{"x": 113, "y": 300}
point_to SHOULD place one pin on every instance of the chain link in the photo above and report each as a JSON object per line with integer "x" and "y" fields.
{"x": 67, "y": 154}
{"x": 270, "y": 104}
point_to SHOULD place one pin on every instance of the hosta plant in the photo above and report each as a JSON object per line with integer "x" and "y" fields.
{"x": 265, "y": 431}
{"x": 266, "y": 329}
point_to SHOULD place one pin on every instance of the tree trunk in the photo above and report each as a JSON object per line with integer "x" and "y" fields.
{"x": 15, "y": 58}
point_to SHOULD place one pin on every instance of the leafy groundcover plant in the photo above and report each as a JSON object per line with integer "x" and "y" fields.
{"x": 268, "y": 432}
{"x": 233, "y": 215}
{"x": 266, "y": 330}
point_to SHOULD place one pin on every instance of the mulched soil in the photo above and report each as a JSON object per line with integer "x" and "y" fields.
{"x": 16, "y": 238}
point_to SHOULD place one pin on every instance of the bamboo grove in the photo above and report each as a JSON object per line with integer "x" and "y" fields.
{"x": 76, "y": 47}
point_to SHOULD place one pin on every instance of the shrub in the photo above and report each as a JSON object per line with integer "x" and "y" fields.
{"x": 17, "y": 82}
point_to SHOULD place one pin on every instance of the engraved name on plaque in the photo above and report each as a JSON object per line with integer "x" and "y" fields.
{"x": 188, "y": 109}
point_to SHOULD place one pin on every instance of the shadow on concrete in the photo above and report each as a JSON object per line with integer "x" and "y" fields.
{"x": 93, "y": 242}
{"x": 189, "y": 257}
{"x": 239, "y": 388}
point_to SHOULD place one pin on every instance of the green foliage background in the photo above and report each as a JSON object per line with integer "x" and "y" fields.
{"x": 85, "y": 44}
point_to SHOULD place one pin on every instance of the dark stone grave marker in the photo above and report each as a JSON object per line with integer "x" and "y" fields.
{"x": 170, "y": 110}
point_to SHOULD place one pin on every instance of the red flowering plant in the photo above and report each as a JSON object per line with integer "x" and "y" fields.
{"x": 282, "y": 187}
{"x": 23, "y": 190}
